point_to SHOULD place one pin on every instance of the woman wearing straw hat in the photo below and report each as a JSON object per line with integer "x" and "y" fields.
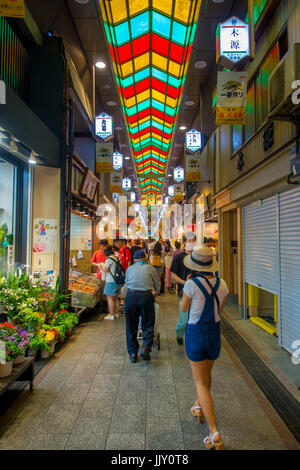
{"x": 204, "y": 297}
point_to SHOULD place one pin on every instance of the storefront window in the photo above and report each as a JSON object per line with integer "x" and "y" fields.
{"x": 8, "y": 174}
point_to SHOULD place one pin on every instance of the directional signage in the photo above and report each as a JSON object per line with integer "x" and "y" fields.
{"x": 104, "y": 126}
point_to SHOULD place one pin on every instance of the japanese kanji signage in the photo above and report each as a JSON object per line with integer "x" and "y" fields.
{"x": 126, "y": 185}
{"x": 12, "y": 8}
{"x": 178, "y": 174}
{"x": 116, "y": 181}
{"x": 117, "y": 161}
{"x": 178, "y": 192}
{"x": 104, "y": 162}
{"x": 104, "y": 126}
{"x": 233, "y": 40}
{"x": 193, "y": 140}
{"x": 192, "y": 166}
{"x": 231, "y": 101}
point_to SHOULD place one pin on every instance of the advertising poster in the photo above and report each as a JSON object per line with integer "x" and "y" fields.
{"x": 192, "y": 167}
{"x": 104, "y": 163}
{"x": 12, "y": 8}
{"x": 45, "y": 235}
{"x": 116, "y": 181}
{"x": 179, "y": 192}
{"x": 231, "y": 101}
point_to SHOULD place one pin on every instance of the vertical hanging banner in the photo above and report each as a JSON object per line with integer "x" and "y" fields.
{"x": 117, "y": 161}
{"x": 126, "y": 184}
{"x": 178, "y": 174}
{"x": 116, "y": 181}
{"x": 192, "y": 167}
{"x": 104, "y": 163}
{"x": 104, "y": 126}
{"x": 179, "y": 192}
{"x": 193, "y": 140}
{"x": 231, "y": 100}
{"x": 12, "y": 8}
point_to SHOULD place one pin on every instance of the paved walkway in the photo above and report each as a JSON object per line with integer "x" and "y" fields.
{"x": 90, "y": 397}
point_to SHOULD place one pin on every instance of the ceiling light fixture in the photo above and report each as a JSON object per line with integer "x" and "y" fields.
{"x": 200, "y": 64}
{"x": 100, "y": 65}
{"x": 182, "y": 128}
{"x": 189, "y": 103}
{"x": 111, "y": 103}
{"x": 32, "y": 159}
{"x": 82, "y": 2}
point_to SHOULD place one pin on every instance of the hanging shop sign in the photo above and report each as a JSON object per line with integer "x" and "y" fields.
{"x": 45, "y": 235}
{"x": 115, "y": 197}
{"x": 152, "y": 200}
{"x": 193, "y": 140}
{"x": 179, "y": 192}
{"x": 104, "y": 126}
{"x": 132, "y": 197}
{"x": 159, "y": 200}
{"x": 171, "y": 190}
{"x": 178, "y": 174}
{"x": 144, "y": 200}
{"x": 104, "y": 162}
{"x": 12, "y": 8}
{"x": 233, "y": 40}
{"x": 117, "y": 161}
{"x": 126, "y": 184}
{"x": 231, "y": 100}
{"x": 116, "y": 181}
{"x": 192, "y": 167}
{"x": 89, "y": 185}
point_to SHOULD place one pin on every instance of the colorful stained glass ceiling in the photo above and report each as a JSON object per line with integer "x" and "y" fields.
{"x": 150, "y": 43}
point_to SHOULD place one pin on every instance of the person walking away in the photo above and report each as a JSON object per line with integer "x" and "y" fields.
{"x": 114, "y": 281}
{"x": 179, "y": 274}
{"x": 177, "y": 250}
{"x": 204, "y": 297}
{"x": 141, "y": 280}
{"x": 168, "y": 263}
{"x": 135, "y": 247}
{"x": 156, "y": 259}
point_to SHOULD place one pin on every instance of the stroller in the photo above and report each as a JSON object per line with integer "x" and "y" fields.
{"x": 156, "y": 341}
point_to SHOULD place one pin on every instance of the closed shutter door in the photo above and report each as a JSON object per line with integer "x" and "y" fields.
{"x": 261, "y": 245}
{"x": 289, "y": 213}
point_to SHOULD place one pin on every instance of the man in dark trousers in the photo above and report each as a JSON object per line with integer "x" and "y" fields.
{"x": 140, "y": 280}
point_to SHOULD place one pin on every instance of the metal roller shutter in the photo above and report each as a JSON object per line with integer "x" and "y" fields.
{"x": 261, "y": 245}
{"x": 289, "y": 213}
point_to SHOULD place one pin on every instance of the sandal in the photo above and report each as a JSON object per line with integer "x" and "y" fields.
{"x": 198, "y": 413}
{"x": 210, "y": 442}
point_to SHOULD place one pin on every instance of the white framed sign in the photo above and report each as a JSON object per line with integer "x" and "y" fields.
{"x": 193, "y": 140}
{"x": 171, "y": 190}
{"x": 234, "y": 39}
{"x": 117, "y": 161}
{"x": 126, "y": 184}
{"x": 132, "y": 197}
{"x": 104, "y": 126}
{"x": 178, "y": 174}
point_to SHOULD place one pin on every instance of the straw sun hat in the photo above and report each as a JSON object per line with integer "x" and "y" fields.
{"x": 202, "y": 260}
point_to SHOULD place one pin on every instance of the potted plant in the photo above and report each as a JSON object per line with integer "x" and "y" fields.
{"x": 22, "y": 339}
{"x": 48, "y": 338}
{"x": 6, "y": 362}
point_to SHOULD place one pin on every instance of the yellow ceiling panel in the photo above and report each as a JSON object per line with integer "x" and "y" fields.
{"x": 141, "y": 62}
{"x": 159, "y": 61}
{"x": 136, "y": 6}
{"x": 165, "y": 6}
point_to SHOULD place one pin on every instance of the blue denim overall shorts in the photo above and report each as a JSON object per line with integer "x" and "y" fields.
{"x": 203, "y": 339}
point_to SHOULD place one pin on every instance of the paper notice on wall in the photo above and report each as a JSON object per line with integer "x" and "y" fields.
{"x": 12, "y": 8}
{"x": 45, "y": 235}
{"x": 47, "y": 278}
{"x": 104, "y": 160}
{"x": 231, "y": 101}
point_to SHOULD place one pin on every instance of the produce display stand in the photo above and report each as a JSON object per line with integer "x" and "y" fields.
{"x": 23, "y": 373}
{"x": 85, "y": 290}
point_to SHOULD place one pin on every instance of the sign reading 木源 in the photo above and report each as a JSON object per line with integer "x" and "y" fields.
{"x": 231, "y": 100}
{"x": 12, "y": 8}
{"x": 233, "y": 40}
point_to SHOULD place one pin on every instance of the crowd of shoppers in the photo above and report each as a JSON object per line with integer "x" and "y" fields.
{"x": 143, "y": 268}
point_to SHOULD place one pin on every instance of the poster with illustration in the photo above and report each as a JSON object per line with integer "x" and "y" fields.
{"x": 45, "y": 235}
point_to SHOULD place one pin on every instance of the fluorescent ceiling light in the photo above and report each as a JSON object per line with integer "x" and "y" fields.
{"x": 182, "y": 128}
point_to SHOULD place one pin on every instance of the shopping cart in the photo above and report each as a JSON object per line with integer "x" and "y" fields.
{"x": 156, "y": 341}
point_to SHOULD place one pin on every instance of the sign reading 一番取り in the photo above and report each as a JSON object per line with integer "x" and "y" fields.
{"x": 231, "y": 101}
{"x": 233, "y": 40}
{"x": 104, "y": 163}
{"x": 116, "y": 179}
{"x": 12, "y": 8}
{"x": 192, "y": 167}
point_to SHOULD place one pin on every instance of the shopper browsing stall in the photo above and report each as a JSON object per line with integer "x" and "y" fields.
{"x": 113, "y": 270}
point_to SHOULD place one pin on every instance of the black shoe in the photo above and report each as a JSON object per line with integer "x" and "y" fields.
{"x": 133, "y": 358}
{"x": 145, "y": 354}
{"x": 179, "y": 341}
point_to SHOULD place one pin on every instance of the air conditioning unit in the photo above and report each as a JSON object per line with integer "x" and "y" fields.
{"x": 280, "y": 85}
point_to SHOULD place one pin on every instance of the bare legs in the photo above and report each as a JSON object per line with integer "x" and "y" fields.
{"x": 202, "y": 378}
{"x": 113, "y": 304}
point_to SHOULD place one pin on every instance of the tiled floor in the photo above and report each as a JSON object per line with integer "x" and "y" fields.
{"x": 93, "y": 398}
